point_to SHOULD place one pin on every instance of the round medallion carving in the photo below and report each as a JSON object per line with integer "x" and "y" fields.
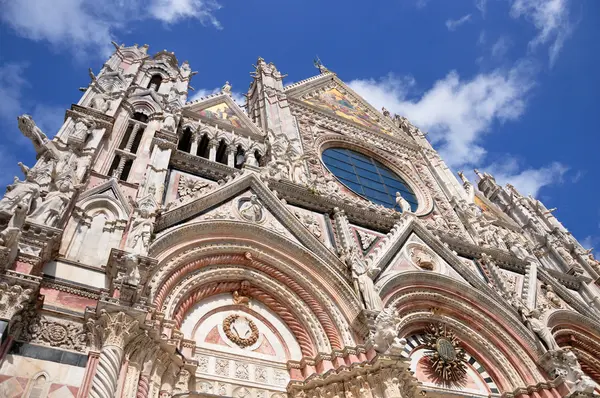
{"x": 57, "y": 333}
{"x": 240, "y": 330}
{"x": 422, "y": 257}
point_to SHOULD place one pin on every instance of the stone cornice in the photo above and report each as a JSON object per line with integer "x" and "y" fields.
{"x": 200, "y": 166}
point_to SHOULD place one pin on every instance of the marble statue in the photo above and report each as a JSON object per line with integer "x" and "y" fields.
{"x": 226, "y": 87}
{"x": 403, "y": 203}
{"x": 140, "y": 233}
{"x": 467, "y": 186}
{"x": 385, "y": 338}
{"x": 82, "y": 129}
{"x": 20, "y": 193}
{"x": 365, "y": 284}
{"x": 33, "y": 132}
{"x": 100, "y": 103}
{"x": 169, "y": 122}
{"x": 540, "y": 328}
{"x": 551, "y": 296}
{"x": 132, "y": 269}
{"x": 9, "y": 236}
{"x": 55, "y": 202}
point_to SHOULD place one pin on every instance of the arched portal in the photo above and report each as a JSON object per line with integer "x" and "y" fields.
{"x": 260, "y": 307}
{"x": 488, "y": 332}
{"x": 580, "y": 335}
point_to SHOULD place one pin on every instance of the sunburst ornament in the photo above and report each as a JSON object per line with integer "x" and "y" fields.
{"x": 446, "y": 360}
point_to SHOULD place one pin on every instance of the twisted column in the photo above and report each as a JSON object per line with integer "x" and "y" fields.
{"x": 143, "y": 386}
{"x": 113, "y": 330}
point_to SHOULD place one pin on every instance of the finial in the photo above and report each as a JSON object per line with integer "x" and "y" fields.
{"x": 478, "y": 173}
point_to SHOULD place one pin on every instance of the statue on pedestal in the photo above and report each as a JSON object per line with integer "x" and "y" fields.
{"x": 403, "y": 203}
{"x": 34, "y": 133}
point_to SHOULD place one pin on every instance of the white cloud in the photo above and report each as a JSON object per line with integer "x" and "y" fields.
{"x": 482, "y": 38}
{"x": 203, "y": 92}
{"x": 500, "y": 47}
{"x": 481, "y": 5}
{"x": 592, "y": 242}
{"x": 87, "y": 27}
{"x": 455, "y": 112}
{"x": 12, "y": 83}
{"x": 171, "y": 11}
{"x": 453, "y": 24}
{"x": 528, "y": 181}
{"x": 551, "y": 19}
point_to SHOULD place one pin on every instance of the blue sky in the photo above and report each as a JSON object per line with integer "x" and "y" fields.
{"x": 508, "y": 86}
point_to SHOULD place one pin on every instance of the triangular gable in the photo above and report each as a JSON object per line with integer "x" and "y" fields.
{"x": 109, "y": 188}
{"x": 334, "y": 98}
{"x": 236, "y": 188}
{"x": 228, "y": 210}
{"x": 381, "y": 258}
{"x": 222, "y": 110}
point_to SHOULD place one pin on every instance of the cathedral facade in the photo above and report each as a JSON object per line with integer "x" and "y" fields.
{"x": 303, "y": 245}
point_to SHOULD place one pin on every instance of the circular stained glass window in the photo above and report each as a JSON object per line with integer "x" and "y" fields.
{"x": 368, "y": 178}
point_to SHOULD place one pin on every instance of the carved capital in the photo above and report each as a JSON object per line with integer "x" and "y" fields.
{"x": 13, "y": 298}
{"x": 111, "y": 329}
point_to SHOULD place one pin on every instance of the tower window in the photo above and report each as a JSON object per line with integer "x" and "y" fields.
{"x": 368, "y": 178}
{"x": 114, "y": 166}
{"x": 126, "y": 169}
{"x": 239, "y": 157}
{"x": 155, "y": 82}
{"x": 140, "y": 117}
{"x": 203, "y": 147}
{"x": 185, "y": 142}
{"x": 222, "y": 152}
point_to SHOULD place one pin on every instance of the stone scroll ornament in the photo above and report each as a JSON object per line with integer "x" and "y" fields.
{"x": 446, "y": 360}
{"x": 241, "y": 330}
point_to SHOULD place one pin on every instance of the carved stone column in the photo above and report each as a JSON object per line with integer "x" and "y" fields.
{"x": 195, "y": 141}
{"x": 231, "y": 156}
{"x": 113, "y": 331}
{"x": 212, "y": 151}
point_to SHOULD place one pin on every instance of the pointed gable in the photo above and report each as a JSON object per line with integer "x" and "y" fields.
{"x": 335, "y": 102}
{"x": 223, "y": 111}
{"x": 330, "y": 95}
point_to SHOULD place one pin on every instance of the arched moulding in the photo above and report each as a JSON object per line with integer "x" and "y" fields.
{"x": 485, "y": 328}
{"x": 144, "y": 105}
{"x": 298, "y": 315}
{"x": 205, "y": 324}
{"x": 394, "y": 163}
{"x": 159, "y": 68}
{"x": 477, "y": 380}
{"x": 188, "y": 248}
{"x": 581, "y": 335}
